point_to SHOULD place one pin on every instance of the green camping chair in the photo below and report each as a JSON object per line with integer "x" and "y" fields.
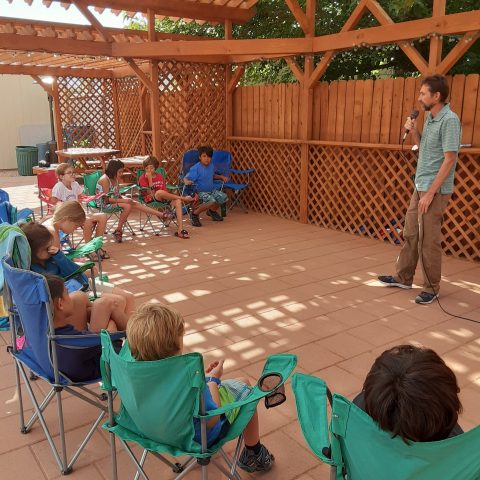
{"x": 159, "y": 400}
{"x": 89, "y": 187}
{"x": 166, "y": 206}
{"x": 357, "y": 449}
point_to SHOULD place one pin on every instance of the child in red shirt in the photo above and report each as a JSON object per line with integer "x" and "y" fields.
{"x": 157, "y": 191}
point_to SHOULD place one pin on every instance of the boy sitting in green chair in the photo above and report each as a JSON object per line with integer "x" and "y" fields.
{"x": 155, "y": 332}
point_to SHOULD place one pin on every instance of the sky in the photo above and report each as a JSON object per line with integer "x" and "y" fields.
{"x": 55, "y": 13}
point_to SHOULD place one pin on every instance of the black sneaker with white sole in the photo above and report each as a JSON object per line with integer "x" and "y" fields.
{"x": 425, "y": 298}
{"x": 195, "y": 220}
{"x": 390, "y": 281}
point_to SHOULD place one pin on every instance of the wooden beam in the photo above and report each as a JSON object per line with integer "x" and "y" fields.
{"x": 210, "y": 12}
{"x": 299, "y": 15}
{"x": 228, "y": 27}
{"x": 436, "y": 42}
{"x": 410, "y": 51}
{"x": 235, "y": 78}
{"x": 62, "y": 27}
{"x": 58, "y": 116}
{"x": 55, "y": 71}
{"x": 107, "y": 37}
{"x": 48, "y": 89}
{"x": 155, "y": 110}
{"x": 32, "y": 43}
{"x": 457, "y": 52}
{"x": 310, "y": 14}
{"x": 151, "y": 25}
{"x": 140, "y": 74}
{"x": 296, "y": 70}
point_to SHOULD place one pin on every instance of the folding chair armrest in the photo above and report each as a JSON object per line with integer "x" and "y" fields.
{"x": 250, "y": 170}
{"x": 127, "y": 188}
{"x": 82, "y": 268}
{"x": 311, "y": 401}
{"x": 173, "y": 187}
{"x": 282, "y": 364}
{"x": 90, "y": 247}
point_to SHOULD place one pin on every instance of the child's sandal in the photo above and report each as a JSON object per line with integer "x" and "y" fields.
{"x": 103, "y": 254}
{"x": 183, "y": 234}
{"x": 117, "y": 236}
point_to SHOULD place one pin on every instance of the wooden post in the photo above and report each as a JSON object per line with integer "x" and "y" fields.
{"x": 58, "y": 117}
{"x": 436, "y": 42}
{"x": 307, "y": 115}
{"x": 154, "y": 93}
{"x": 116, "y": 115}
{"x": 228, "y": 93}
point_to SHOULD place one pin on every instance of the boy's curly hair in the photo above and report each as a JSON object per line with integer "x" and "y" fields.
{"x": 151, "y": 160}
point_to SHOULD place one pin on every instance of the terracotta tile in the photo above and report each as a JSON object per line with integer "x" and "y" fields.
{"x": 340, "y": 381}
{"x": 359, "y": 365}
{"x": 345, "y": 345}
{"x": 313, "y": 357}
{"x": 21, "y": 459}
{"x": 375, "y": 333}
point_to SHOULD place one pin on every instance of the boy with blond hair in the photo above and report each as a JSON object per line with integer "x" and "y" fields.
{"x": 155, "y": 332}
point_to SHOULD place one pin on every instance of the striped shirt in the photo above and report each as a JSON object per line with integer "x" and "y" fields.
{"x": 440, "y": 134}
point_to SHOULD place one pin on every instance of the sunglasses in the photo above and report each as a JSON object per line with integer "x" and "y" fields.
{"x": 272, "y": 382}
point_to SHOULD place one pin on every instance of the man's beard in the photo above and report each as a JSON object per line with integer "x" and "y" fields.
{"x": 426, "y": 107}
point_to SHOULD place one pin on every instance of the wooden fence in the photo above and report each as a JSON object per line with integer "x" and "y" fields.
{"x": 364, "y": 111}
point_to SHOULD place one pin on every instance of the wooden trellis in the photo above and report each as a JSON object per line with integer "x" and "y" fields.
{"x": 360, "y": 189}
{"x": 87, "y": 111}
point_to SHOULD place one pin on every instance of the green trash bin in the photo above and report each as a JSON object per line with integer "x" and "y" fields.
{"x": 27, "y": 158}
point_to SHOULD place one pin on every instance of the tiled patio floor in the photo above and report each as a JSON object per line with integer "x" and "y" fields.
{"x": 256, "y": 285}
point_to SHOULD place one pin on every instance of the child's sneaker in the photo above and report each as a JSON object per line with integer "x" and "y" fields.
{"x": 214, "y": 216}
{"x": 260, "y": 462}
{"x": 195, "y": 220}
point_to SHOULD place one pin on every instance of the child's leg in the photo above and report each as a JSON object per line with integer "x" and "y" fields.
{"x": 129, "y": 299}
{"x": 79, "y": 317}
{"x": 161, "y": 195}
{"x": 143, "y": 208}
{"x": 101, "y": 221}
{"x": 126, "y": 209}
{"x": 108, "y": 307}
{"x": 88, "y": 229}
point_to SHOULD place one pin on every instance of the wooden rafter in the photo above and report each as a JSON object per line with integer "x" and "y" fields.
{"x": 295, "y": 68}
{"x": 350, "y": 24}
{"x": 211, "y": 12}
{"x": 299, "y": 15}
{"x": 236, "y": 76}
{"x": 104, "y": 33}
{"x": 381, "y": 35}
{"x": 410, "y": 51}
{"x": 436, "y": 42}
{"x": 457, "y": 52}
{"x": 55, "y": 71}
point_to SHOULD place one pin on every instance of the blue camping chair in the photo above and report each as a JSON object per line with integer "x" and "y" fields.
{"x": 54, "y": 358}
{"x": 10, "y": 214}
{"x": 222, "y": 161}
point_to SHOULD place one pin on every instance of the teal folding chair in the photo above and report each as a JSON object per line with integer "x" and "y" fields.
{"x": 357, "y": 449}
{"x": 89, "y": 187}
{"x": 159, "y": 400}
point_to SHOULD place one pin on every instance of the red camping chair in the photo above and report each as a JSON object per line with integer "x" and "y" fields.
{"x": 46, "y": 181}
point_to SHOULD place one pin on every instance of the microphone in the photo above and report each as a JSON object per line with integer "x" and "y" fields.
{"x": 413, "y": 116}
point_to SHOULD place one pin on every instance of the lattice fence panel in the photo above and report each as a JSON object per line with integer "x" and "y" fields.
{"x": 367, "y": 190}
{"x": 86, "y": 109}
{"x": 274, "y": 188}
{"x": 461, "y": 227}
{"x": 129, "y": 117}
{"x": 192, "y": 109}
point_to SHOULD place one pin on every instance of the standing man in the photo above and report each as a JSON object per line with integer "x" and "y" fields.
{"x": 439, "y": 145}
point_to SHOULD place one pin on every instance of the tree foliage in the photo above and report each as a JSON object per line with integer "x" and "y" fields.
{"x": 274, "y": 20}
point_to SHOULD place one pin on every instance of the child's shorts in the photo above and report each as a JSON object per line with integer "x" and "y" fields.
{"x": 213, "y": 196}
{"x": 232, "y": 391}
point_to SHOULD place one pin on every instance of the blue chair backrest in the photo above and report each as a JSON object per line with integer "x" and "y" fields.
{"x": 4, "y": 197}
{"x": 31, "y": 296}
{"x": 222, "y": 162}
{"x": 189, "y": 159}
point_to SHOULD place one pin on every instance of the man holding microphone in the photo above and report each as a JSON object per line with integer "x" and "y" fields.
{"x": 439, "y": 144}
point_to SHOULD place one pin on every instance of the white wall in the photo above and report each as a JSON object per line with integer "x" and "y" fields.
{"x": 24, "y": 116}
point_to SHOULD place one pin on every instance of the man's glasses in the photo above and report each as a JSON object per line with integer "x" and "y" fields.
{"x": 272, "y": 382}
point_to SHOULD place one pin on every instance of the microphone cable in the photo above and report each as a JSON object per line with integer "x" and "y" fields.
{"x": 421, "y": 233}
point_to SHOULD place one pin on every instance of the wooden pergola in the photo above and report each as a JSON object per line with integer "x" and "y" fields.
{"x": 142, "y": 90}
